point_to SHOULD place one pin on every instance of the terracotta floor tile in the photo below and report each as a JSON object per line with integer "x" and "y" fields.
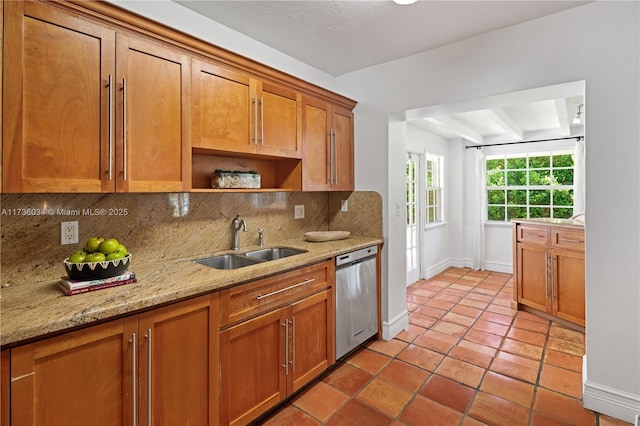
{"x": 450, "y": 328}
{"x": 421, "y": 320}
{"x": 405, "y": 375}
{"x": 440, "y": 304}
{"x": 562, "y": 408}
{"x": 566, "y": 334}
{"x": 503, "y": 310}
{"x": 355, "y": 413}
{"x": 461, "y": 371}
{"x": 447, "y": 338}
{"x": 369, "y": 360}
{"x": 473, "y": 303}
{"x": 564, "y": 360}
{"x": 531, "y": 325}
{"x": 484, "y": 338}
{"x": 527, "y": 336}
{"x": 385, "y": 396}
{"x": 491, "y": 327}
{"x": 431, "y": 312}
{"x": 503, "y": 299}
{"x": 422, "y": 411}
{"x": 566, "y": 346}
{"x": 497, "y": 411}
{"x": 459, "y": 319}
{"x": 421, "y": 357}
{"x": 532, "y": 317}
{"x": 472, "y": 422}
{"x": 478, "y": 347}
{"x": 510, "y": 389}
{"x": 479, "y": 297}
{"x": 560, "y": 380}
{"x": 411, "y": 307}
{"x": 471, "y": 356}
{"x": 291, "y": 416}
{"x": 462, "y": 286}
{"x": 348, "y": 378}
{"x": 461, "y": 292}
{"x": 391, "y": 348}
{"x": 448, "y": 298}
{"x": 425, "y": 293}
{"x": 447, "y": 392}
{"x": 433, "y": 344}
{"x": 517, "y": 359}
{"x": 499, "y": 318}
{"x": 414, "y": 298}
{"x": 321, "y": 401}
{"x": 467, "y": 311}
{"x": 521, "y": 348}
{"x": 610, "y": 421}
{"x": 514, "y": 370}
{"x": 538, "y": 419}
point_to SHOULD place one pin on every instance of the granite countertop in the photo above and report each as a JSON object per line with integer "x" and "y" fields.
{"x": 562, "y": 223}
{"x": 31, "y": 311}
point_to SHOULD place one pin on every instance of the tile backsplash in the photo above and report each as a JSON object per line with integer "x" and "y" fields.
{"x": 157, "y": 227}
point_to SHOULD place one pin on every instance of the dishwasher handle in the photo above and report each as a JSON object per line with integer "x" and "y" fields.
{"x": 355, "y": 256}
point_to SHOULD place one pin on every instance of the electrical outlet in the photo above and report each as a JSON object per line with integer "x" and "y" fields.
{"x": 69, "y": 232}
{"x": 298, "y": 212}
{"x": 344, "y": 205}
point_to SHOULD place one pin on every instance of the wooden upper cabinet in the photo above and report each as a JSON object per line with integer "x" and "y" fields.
{"x": 153, "y": 116}
{"x": 66, "y": 105}
{"x": 236, "y": 113}
{"x": 328, "y": 155}
{"x": 56, "y": 106}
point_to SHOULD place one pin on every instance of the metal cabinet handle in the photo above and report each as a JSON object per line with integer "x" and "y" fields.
{"x": 124, "y": 126}
{"x": 286, "y": 347}
{"x": 554, "y": 259}
{"x": 262, "y": 120}
{"x": 134, "y": 385}
{"x": 335, "y": 157}
{"x": 261, "y": 296}
{"x": 149, "y": 371}
{"x": 293, "y": 345}
{"x": 546, "y": 275}
{"x": 255, "y": 120}
{"x": 330, "y": 160}
{"x": 110, "y": 127}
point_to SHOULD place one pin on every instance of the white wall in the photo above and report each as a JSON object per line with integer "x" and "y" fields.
{"x": 598, "y": 43}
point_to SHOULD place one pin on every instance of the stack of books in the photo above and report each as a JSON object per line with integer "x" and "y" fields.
{"x": 70, "y": 287}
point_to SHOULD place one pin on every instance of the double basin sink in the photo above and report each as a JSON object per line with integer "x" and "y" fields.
{"x": 240, "y": 260}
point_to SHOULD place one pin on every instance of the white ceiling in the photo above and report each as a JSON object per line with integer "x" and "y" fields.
{"x": 339, "y": 37}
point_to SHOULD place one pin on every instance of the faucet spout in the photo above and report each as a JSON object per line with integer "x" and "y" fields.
{"x": 236, "y": 225}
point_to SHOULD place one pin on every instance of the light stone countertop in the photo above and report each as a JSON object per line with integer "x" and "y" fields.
{"x": 31, "y": 311}
{"x": 561, "y": 223}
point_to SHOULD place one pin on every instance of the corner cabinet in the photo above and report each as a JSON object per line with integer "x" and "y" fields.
{"x": 277, "y": 335}
{"x": 92, "y": 109}
{"x": 159, "y": 367}
{"x": 549, "y": 270}
{"x": 328, "y": 152}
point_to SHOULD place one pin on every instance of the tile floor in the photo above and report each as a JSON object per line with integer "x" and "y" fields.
{"x": 467, "y": 359}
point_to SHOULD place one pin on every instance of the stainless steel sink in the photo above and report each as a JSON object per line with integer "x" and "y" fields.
{"x": 273, "y": 253}
{"x": 227, "y": 261}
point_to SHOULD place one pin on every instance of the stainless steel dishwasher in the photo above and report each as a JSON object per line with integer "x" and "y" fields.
{"x": 356, "y": 299}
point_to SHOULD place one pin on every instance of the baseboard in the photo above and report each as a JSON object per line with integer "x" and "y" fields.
{"x": 612, "y": 402}
{"x": 437, "y": 268}
{"x": 392, "y": 328}
{"x": 507, "y": 268}
{"x": 434, "y": 270}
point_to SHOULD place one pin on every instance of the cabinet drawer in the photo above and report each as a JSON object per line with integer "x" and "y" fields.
{"x": 532, "y": 234}
{"x": 572, "y": 239}
{"x": 248, "y": 300}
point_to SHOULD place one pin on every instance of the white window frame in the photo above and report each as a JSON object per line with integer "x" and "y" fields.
{"x": 437, "y": 185}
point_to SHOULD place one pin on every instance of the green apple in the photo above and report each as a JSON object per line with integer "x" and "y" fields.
{"x": 108, "y": 246}
{"x": 95, "y": 257}
{"x": 93, "y": 243}
{"x": 78, "y": 257}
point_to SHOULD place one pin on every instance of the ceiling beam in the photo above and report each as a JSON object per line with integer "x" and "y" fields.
{"x": 505, "y": 122}
{"x": 563, "y": 116}
{"x": 458, "y": 127}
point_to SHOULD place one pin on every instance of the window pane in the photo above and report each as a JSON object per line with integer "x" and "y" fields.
{"x": 563, "y": 197}
{"x": 517, "y": 163}
{"x": 517, "y": 196}
{"x": 495, "y": 196}
{"x": 540, "y": 197}
{"x": 539, "y": 177}
{"x": 539, "y": 212}
{"x": 563, "y": 176}
{"x": 518, "y": 178}
{"x": 495, "y": 179}
{"x": 497, "y": 164}
{"x": 564, "y": 160}
{"x": 431, "y": 214}
{"x": 539, "y": 162}
{"x": 516, "y": 213}
{"x": 562, "y": 213}
{"x": 495, "y": 213}
{"x": 429, "y": 178}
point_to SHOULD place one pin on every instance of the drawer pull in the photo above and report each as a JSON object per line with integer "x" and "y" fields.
{"x": 261, "y": 296}
{"x": 565, "y": 240}
{"x": 533, "y": 235}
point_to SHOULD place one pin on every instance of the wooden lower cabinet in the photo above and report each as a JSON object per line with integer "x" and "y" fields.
{"x": 162, "y": 364}
{"x": 549, "y": 270}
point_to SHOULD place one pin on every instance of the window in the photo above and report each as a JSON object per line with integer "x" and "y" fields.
{"x": 534, "y": 185}
{"x": 413, "y": 162}
{"x": 433, "y": 187}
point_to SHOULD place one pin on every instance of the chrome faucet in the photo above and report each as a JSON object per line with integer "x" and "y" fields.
{"x": 236, "y": 224}
{"x": 260, "y": 237}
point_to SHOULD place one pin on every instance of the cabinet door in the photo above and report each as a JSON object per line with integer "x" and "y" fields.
{"x": 568, "y": 285}
{"x": 532, "y": 275}
{"x": 280, "y": 132}
{"x": 311, "y": 342}
{"x": 79, "y": 378}
{"x": 316, "y": 167}
{"x": 343, "y": 149}
{"x": 5, "y": 374}
{"x": 224, "y": 109}
{"x": 57, "y": 107}
{"x": 178, "y": 364}
{"x": 252, "y": 364}
{"x": 153, "y": 117}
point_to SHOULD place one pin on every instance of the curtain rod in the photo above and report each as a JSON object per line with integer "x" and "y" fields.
{"x": 579, "y": 138}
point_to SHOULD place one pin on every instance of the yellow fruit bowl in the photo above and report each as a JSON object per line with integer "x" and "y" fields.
{"x": 97, "y": 270}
